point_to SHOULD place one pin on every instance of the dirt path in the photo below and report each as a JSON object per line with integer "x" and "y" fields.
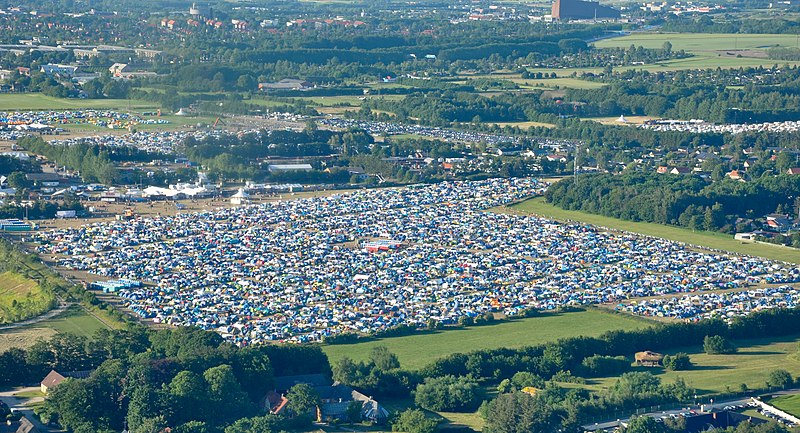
{"x": 41, "y": 318}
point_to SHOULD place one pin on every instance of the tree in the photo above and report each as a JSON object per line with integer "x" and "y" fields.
{"x": 413, "y": 421}
{"x": 679, "y": 361}
{"x": 261, "y": 424}
{"x": 18, "y": 180}
{"x": 448, "y": 393}
{"x": 644, "y": 424}
{"x": 354, "y": 409}
{"x": 14, "y": 368}
{"x": 667, "y": 47}
{"x": 193, "y": 427}
{"x": 779, "y": 378}
{"x": 519, "y": 413}
{"x": 383, "y": 358}
{"x": 225, "y": 394}
{"x": 718, "y": 345}
{"x": 246, "y": 83}
{"x": 188, "y": 390}
{"x": 303, "y": 402}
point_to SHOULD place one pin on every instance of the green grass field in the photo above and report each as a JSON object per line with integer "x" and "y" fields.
{"x": 37, "y": 101}
{"x": 415, "y": 351}
{"x": 21, "y": 297}
{"x": 713, "y": 240}
{"x": 724, "y": 373}
{"x": 787, "y": 403}
{"x": 710, "y": 49}
{"x": 542, "y": 84}
{"x": 700, "y": 42}
{"x": 13, "y": 286}
{"x": 75, "y": 321}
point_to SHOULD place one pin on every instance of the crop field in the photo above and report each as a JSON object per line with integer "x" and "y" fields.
{"x": 539, "y": 83}
{"x": 713, "y": 240}
{"x": 37, "y": 101}
{"x": 724, "y": 373}
{"x": 74, "y": 320}
{"x": 416, "y": 351}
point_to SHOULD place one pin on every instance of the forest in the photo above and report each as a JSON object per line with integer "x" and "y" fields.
{"x": 685, "y": 201}
{"x": 152, "y": 379}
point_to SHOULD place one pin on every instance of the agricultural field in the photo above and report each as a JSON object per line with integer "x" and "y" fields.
{"x": 701, "y": 42}
{"x": 713, "y": 240}
{"x": 74, "y": 320}
{"x": 724, "y": 373}
{"x": 38, "y": 101}
{"x": 710, "y": 49}
{"x": 21, "y": 297}
{"x": 416, "y": 351}
{"x": 539, "y": 83}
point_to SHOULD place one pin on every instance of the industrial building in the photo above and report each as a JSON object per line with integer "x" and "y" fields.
{"x": 582, "y": 10}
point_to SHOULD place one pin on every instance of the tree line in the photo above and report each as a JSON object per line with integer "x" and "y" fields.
{"x": 685, "y": 201}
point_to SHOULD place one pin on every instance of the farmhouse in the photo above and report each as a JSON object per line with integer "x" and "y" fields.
{"x": 54, "y": 378}
{"x": 335, "y": 399}
{"x": 648, "y": 359}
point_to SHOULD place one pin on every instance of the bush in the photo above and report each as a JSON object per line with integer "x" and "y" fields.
{"x": 718, "y": 345}
{"x": 414, "y": 421}
{"x": 597, "y": 366}
{"x": 448, "y": 393}
{"x": 779, "y": 378}
{"x": 677, "y": 362}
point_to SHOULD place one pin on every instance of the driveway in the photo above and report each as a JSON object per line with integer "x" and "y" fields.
{"x": 18, "y": 405}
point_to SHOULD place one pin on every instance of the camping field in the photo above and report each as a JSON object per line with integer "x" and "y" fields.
{"x": 713, "y": 240}
{"x": 416, "y": 351}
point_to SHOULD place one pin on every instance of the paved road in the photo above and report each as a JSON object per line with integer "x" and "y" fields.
{"x": 717, "y": 405}
{"x": 17, "y": 404}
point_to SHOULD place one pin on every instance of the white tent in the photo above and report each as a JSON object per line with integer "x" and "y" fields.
{"x": 241, "y": 197}
{"x": 622, "y": 119}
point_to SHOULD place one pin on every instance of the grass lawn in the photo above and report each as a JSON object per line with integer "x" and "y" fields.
{"x": 37, "y": 101}
{"x": 713, "y": 240}
{"x": 29, "y": 394}
{"x": 415, "y": 351}
{"x": 75, "y": 320}
{"x": 712, "y": 373}
{"x": 787, "y": 403}
{"x": 472, "y": 420}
